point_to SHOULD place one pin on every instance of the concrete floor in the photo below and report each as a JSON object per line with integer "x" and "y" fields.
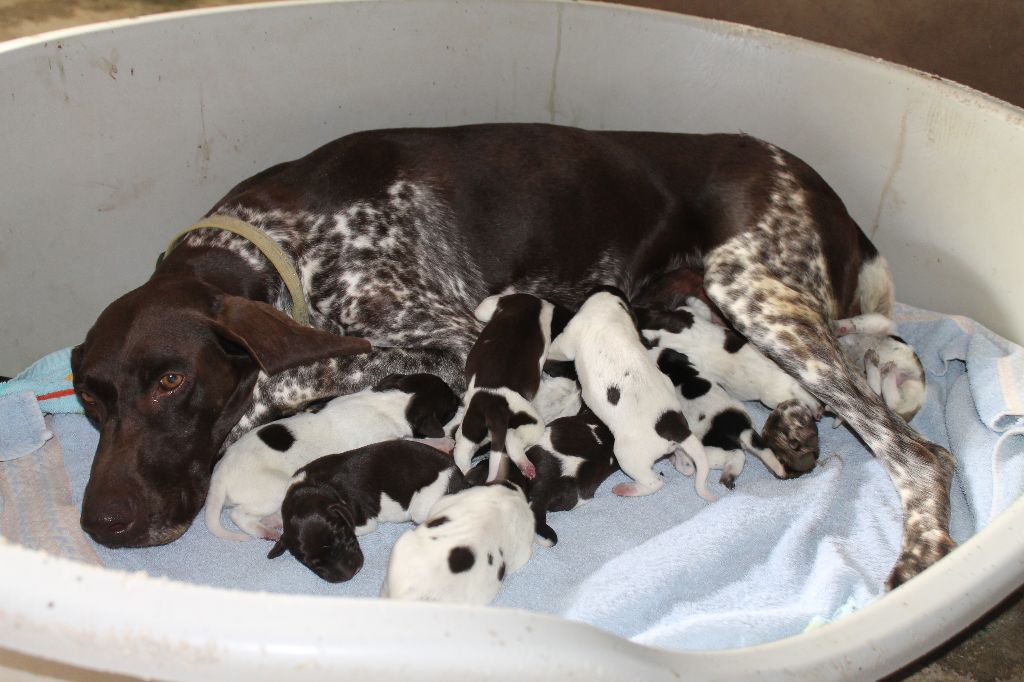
{"x": 975, "y": 42}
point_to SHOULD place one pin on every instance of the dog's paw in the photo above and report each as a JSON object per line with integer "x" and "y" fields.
{"x": 545, "y": 536}
{"x": 683, "y": 464}
{"x": 635, "y": 489}
{"x": 528, "y": 469}
{"x": 918, "y": 556}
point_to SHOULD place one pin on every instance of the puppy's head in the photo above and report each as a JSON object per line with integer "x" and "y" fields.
{"x": 604, "y": 299}
{"x": 432, "y": 404}
{"x": 319, "y": 531}
{"x": 792, "y": 434}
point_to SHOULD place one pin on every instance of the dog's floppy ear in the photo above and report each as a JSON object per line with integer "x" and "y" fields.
{"x": 277, "y": 550}
{"x": 274, "y": 340}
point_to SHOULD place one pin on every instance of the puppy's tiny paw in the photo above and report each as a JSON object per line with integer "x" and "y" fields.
{"x": 625, "y": 490}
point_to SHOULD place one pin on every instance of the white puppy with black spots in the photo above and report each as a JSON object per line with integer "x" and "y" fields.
{"x": 625, "y": 389}
{"x": 718, "y": 419}
{"x": 255, "y": 472}
{"x": 462, "y": 553}
{"x": 721, "y": 355}
{"x": 737, "y": 371}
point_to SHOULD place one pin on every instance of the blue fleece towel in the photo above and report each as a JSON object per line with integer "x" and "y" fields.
{"x": 49, "y": 378}
{"x": 22, "y": 429}
{"x": 764, "y": 562}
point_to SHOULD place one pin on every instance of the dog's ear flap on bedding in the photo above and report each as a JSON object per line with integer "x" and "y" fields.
{"x": 274, "y": 340}
{"x": 277, "y": 550}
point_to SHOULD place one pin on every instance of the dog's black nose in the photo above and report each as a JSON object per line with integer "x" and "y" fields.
{"x": 111, "y": 523}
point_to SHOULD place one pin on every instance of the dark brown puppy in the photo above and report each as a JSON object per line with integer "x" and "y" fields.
{"x": 336, "y": 498}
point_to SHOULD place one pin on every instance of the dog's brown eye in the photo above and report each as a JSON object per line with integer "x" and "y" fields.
{"x": 171, "y": 381}
{"x": 87, "y": 398}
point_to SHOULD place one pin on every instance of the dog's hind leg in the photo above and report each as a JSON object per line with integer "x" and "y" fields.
{"x": 784, "y": 311}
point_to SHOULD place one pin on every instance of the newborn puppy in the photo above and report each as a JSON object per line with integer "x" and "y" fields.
{"x": 255, "y": 471}
{"x": 889, "y": 363}
{"x": 336, "y": 498}
{"x": 719, "y": 420}
{"x": 791, "y": 432}
{"x": 464, "y": 550}
{"x": 626, "y": 390}
{"x": 559, "y": 392}
{"x": 721, "y": 355}
{"x": 503, "y": 372}
{"x": 573, "y": 458}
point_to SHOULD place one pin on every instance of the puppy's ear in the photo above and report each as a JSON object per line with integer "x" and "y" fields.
{"x": 277, "y": 550}
{"x": 274, "y": 340}
{"x": 339, "y": 511}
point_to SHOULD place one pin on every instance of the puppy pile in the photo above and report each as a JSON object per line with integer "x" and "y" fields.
{"x": 563, "y": 400}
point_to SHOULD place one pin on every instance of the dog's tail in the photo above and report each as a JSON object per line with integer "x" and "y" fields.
{"x": 875, "y": 290}
{"x": 215, "y": 500}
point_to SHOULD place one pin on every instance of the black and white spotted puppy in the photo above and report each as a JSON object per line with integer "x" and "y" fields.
{"x": 334, "y": 499}
{"x": 503, "y": 372}
{"x": 464, "y": 550}
{"x": 721, "y": 355}
{"x": 889, "y": 363}
{"x": 718, "y": 419}
{"x": 255, "y": 471}
{"x": 573, "y": 458}
{"x": 625, "y": 389}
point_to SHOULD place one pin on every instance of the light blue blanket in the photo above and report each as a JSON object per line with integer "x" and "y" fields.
{"x": 762, "y": 563}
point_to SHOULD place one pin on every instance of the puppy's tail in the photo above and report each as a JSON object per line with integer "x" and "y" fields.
{"x": 215, "y": 500}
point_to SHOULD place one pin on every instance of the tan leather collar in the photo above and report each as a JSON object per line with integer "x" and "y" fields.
{"x": 281, "y": 261}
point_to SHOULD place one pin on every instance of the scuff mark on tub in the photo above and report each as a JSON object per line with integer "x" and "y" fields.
{"x": 203, "y": 147}
{"x": 554, "y": 66}
{"x": 107, "y": 64}
{"x": 894, "y": 168}
{"x": 121, "y": 195}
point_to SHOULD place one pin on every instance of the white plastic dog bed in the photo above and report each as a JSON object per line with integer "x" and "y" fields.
{"x": 120, "y": 134}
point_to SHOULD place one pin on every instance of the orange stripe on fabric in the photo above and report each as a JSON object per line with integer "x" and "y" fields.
{"x": 56, "y": 394}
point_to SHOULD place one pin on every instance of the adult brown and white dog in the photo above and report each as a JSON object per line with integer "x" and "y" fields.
{"x": 398, "y": 234}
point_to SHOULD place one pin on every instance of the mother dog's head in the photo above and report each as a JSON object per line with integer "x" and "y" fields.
{"x": 165, "y": 373}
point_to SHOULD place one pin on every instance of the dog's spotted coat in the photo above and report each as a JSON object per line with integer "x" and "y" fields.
{"x": 397, "y": 235}
{"x": 771, "y": 283}
{"x": 352, "y": 268}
